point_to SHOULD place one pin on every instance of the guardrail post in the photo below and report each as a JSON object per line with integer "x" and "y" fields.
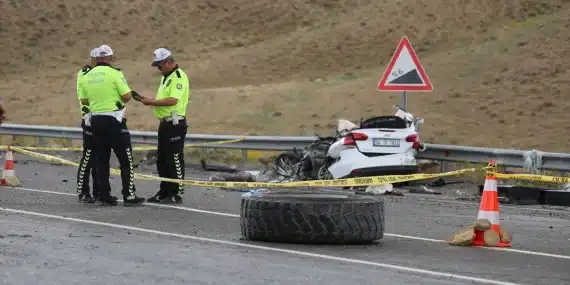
{"x": 443, "y": 166}
{"x": 243, "y": 158}
{"x": 202, "y": 154}
{"x": 42, "y": 141}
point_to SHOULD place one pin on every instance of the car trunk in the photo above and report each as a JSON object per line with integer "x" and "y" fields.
{"x": 385, "y": 141}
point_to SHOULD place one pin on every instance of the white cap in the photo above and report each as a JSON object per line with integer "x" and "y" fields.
{"x": 159, "y": 55}
{"x": 95, "y": 52}
{"x": 105, "y": 50}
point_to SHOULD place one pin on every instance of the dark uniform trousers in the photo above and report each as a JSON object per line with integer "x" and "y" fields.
{"x": 170, "y": 156}
{"x": 86, "y": 164}
{"x": 109, "y": 134}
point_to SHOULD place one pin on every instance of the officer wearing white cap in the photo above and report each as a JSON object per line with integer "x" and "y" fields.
{"x": 88, "y": 157}
{"x": 105, "y": 90}
{"x": 170, "y": 109}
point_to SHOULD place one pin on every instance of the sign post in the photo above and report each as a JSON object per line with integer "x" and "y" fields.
{"x": 405, "y": 73}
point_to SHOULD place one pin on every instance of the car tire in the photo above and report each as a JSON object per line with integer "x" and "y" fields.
{"x": 323, "y": 173}
{"x": 311, "y": 216}
{"x": 286, "y": 161}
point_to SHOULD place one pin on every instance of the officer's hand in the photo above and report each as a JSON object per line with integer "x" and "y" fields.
{"x": 146, "y": 101}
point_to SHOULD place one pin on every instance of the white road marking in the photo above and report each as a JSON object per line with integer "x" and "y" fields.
{"x": 536, "y": 253}
{"x": 502, "y": 206}
{"x": 266, "y": 248}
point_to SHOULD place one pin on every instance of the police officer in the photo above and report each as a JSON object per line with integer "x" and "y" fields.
{"x": 86, "y": 162}
{"x": 105, "y": 90}
{"x": 170, "y": 109}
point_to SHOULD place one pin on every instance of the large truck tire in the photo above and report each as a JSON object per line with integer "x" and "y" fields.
{"x": 311, "y": 216}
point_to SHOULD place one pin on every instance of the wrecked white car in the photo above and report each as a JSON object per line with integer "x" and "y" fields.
{"x": 384, "y": 145}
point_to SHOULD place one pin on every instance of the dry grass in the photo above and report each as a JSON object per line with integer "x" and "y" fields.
{"x": 499, "y": 81}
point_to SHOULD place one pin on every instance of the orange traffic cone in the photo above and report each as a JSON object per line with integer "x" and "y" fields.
{"x": 9, "y": 173}
{"x": 489, "y": 210}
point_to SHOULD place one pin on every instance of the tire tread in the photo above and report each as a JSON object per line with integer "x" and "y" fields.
{"x": 297, "y": 221}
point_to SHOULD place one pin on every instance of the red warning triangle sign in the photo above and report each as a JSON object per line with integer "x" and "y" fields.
{"x": 405, "y": 72}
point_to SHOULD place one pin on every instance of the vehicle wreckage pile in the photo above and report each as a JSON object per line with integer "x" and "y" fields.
{"x": 383, "y": 145}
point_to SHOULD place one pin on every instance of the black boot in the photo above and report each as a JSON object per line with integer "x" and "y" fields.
{"x": 156, "y": 198}
{"x": 107, "y": 201}
{"x": 171, "y": 199}
{"x": 132, "y": 200}
{"x": 87, "y": 198}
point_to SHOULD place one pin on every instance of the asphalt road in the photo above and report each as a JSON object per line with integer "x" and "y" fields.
{"x": 47, "y": 235}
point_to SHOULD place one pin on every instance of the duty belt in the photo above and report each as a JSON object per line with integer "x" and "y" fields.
{"x": 170, "y": 119}
{"x": 87, "y": 119}
{"x": 118, "y": 115}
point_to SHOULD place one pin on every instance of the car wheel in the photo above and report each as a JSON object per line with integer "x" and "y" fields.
{"x": 323, "y": 173}
{"x": 286, "y": 164}
{"x": 311, "y": 216}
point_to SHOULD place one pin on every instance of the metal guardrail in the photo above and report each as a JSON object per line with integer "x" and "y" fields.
{"x": 532, "y": 159}
{"x": 504, "y": 157}
{"x": 140, "y": 137}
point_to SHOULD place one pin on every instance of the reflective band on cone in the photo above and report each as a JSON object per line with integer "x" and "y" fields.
{"x": 9, "y": 173}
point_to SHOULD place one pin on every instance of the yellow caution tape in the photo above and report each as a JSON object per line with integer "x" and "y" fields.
{"x": 363, "y": 181}
{"x": 533, "y": 177}
{"x": 142, "y": 148}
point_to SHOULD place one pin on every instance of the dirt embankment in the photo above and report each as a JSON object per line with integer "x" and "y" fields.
{"x": 293, "y": 67}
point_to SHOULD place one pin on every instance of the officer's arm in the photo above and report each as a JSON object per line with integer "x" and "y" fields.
{"x": 123, "y": 87}
{"x": 126, "y": 97}
{"x": 78, "y": 85}
{"x": 176, "y": 90}
{"x": 81, "y": 92}
{"x": 164, "y": 102}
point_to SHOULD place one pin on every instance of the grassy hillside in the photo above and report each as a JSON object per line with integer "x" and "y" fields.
{"x": 499, "y": 68}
